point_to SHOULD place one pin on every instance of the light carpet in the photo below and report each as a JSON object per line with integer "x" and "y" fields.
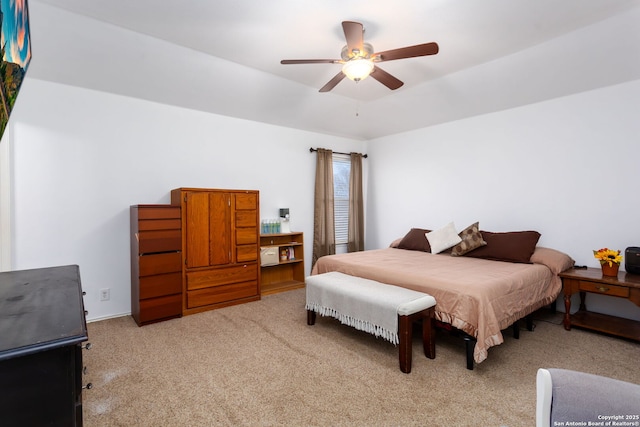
{"x": 260, "y": 364}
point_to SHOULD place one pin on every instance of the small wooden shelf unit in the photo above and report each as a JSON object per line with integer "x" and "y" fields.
{"x": 287, "y": 274}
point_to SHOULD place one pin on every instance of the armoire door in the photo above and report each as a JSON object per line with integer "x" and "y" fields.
{"x": 208, "y": 228}
{"x": 219, "y": 228}
{"x": 196, "y": 214}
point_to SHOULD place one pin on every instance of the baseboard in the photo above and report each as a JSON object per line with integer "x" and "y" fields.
{"x": 112, "y": 316}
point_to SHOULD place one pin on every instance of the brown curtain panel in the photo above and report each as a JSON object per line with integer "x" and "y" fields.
{"x": 324, "y": 240}
{"x": 356, "y": 211}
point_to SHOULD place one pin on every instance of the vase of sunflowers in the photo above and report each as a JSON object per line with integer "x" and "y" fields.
{"x": 609, "y": 261}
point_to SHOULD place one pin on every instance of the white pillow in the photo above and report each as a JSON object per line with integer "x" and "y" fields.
{"x": 443, "y": 238}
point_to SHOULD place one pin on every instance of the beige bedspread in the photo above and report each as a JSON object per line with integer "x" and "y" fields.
{"x": 478, "y": 296}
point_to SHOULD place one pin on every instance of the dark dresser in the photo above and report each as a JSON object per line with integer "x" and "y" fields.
{"x": 42, "y": 328}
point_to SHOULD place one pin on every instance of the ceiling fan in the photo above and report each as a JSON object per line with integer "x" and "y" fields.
{"x": 359, "y": 59}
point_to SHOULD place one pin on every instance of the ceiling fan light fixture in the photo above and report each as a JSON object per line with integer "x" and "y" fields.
{"x": 357, "y": 69}
{"x": 359, "y": 59}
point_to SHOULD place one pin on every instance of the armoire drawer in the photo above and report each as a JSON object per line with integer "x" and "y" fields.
{"x": 223, "y": 293}
{"x": 246, "y": 253}
{"x": 246, "y": 218}
{"x": 221, "y": 276}
{"x": 246, "y": 201}
{"x": 160, "y": 285}
{"x": 151, "y": 265}
{"x": 246, "y": 236}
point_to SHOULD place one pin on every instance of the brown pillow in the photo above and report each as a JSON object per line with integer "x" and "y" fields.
{"x": 556, "y": 261}
{"x": 395, "y": 243}
{"x": 514, "y": 246}
{"x": 415, "y": 240}
{"x": 471, "y": 239}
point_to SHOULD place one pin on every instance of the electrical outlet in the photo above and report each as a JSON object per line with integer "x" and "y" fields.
{"x": 105, "y": 294}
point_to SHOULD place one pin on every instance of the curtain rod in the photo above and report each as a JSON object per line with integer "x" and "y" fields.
{"x": 311, "y": 150}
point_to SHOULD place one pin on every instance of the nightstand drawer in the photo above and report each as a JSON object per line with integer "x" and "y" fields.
{"x": 605, "y": 289}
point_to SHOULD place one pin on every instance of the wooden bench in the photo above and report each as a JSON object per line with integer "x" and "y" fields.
{"x": 378, "y": 308}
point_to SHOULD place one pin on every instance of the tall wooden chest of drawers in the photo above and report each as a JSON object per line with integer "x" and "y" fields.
{"x": 156, "y": 269}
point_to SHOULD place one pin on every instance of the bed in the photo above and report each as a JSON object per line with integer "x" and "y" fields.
{"x": 477, "y": 295}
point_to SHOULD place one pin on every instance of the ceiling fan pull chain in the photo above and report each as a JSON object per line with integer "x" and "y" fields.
{"x": 357, "y": 99}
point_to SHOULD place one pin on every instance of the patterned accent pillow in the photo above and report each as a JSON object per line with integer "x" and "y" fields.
{"x": 471, "y": 239}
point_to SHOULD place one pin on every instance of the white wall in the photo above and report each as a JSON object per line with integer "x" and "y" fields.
{"x": 80, "y": 158}
{"x": 5, "y": 199}
{"x": 568, "y": 168}
{"x": 565, "y": 167}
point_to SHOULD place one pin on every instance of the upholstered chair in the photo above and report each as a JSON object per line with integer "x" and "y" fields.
{"x": 567, "y": 397}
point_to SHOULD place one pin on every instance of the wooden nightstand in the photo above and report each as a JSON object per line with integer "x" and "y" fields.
{"x": 591, "y": 280}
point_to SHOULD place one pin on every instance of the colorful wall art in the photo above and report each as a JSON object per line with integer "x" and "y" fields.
{"x": 15, "y": 49}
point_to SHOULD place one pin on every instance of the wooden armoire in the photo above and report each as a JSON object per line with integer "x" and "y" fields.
{"x": 220, "y": 247}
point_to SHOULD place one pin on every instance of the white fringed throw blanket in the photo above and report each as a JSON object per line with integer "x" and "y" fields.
{"x": 364, "y": 304}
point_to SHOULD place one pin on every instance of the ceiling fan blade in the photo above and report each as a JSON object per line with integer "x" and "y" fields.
{"x": 408, "y": 52}
{"x": 353, "y": 32}
{"x": 385, "y": 78}
{"x": 310, "y": 61}
{"x": 333, "y": 82}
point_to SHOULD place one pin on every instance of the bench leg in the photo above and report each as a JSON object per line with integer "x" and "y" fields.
{"x": 311, "y": 317}
{"x": 405, "y": 326}
{"x": 429, "y": 334}
{"x": 405, "y": 333}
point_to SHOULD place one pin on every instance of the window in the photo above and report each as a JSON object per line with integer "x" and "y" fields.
{"x": 341, "y": 171}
